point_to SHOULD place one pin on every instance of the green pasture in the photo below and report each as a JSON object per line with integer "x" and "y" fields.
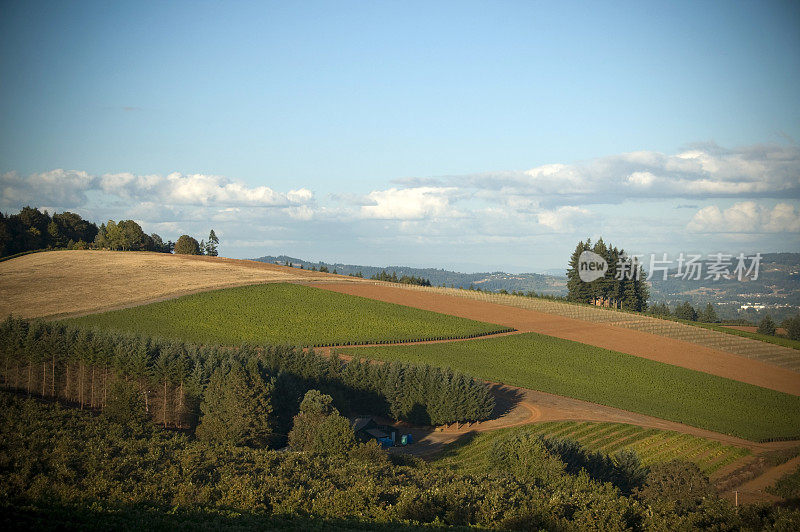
{"x": 282, "y": 313}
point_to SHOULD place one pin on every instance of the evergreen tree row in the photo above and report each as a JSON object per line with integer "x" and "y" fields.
{"x": 624, "y": 284}
{"x": 171, "y": 379}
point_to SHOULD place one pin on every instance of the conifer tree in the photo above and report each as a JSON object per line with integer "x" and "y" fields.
{"x": 578, "y": 290}
{"x": 767, "y": 326}
{"x": 319, "y": 428}
{"x": 236, "y": 407}
{"x": 709, "y": 315}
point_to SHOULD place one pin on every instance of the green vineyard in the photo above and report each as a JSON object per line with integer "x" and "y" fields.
{"x": 651, "y": 445}
{"x": 563, "y": 367}
{"x": 284, "y": 314}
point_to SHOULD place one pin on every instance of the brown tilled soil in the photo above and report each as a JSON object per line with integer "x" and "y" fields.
{"x": 60, "y": 283}
{"x": 636, "y": 343}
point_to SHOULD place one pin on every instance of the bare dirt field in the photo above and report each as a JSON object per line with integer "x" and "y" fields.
{"x": 625, "y": 340}
{"x": 61, "y": 283}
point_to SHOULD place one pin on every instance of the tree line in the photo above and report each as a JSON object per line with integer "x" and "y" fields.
{"x": 403, "y": 279}
{"x": 685, "y": 311}
{"x": 33, "y": 230}
{"x": 170, "y": 379}
{"x": 623, "y": 284}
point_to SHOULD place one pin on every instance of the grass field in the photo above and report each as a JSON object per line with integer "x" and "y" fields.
{"x": 281, "y": 313}
{"x": 651, "y": 445}
{"x": 615, "y": 379}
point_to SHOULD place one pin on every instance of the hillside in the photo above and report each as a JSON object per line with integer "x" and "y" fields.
{"x": 492, "y": 281}
{"x": 777, "y": 289}
{"x": 59, "y": 283}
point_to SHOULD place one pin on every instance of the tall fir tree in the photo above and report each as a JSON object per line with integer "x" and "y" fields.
{"x": 237, "y": 407}
{"x": 211, "y": 245}
{"x": 578, "y": 291}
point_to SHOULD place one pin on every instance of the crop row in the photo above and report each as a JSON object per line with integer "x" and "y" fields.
{"x": 652, "y": 445}
{"x": 414, "y": 340}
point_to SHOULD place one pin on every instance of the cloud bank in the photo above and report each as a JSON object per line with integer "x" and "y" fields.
{"x": 732, "y": 194}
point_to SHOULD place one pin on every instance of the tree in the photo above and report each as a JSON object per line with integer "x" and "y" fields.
{"x": 792, "y": 326}
{"x": 319, "y": 428}
{"x": 767, "y": 326}
{"x": 679, "y": 483}
{"x": 236, "y": 407}
{"x": 126, "y": 403}
{"x": 157, "y": 244}
{"x": 685, "y": 311}
{"x": 578, "y": 290}
{"x": 708, "y": 315}
{"x": 211, "y": 245}
{"x": 187, "y": 245}
{"x": 526, "y": 457}
{"x": 660, "y": 309}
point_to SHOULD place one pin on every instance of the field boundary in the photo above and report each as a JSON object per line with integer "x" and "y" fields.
{"x": 503, "y": 331}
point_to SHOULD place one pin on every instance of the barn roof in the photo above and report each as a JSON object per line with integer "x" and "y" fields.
{"x": 360, "y": 423}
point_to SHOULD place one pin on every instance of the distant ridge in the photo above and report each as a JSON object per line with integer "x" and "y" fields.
{"x": 492, "y": 281}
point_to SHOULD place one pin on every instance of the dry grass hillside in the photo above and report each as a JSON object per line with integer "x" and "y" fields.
{"x": 60, "y": 283}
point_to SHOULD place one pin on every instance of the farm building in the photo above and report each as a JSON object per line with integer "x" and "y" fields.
{"x": 366, "y": 428}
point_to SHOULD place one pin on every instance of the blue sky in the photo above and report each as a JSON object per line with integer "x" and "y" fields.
{"x": 474, "y": 135}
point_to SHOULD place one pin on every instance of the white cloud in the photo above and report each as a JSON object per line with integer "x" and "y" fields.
{"x": 58, "y": 188}
{"x": 562, "y": 202}
{"x": 563, "y": 218}
{"x": 198, "y": 189}
{"x": 641, "y": 179}
{"x": 147, "y": 193}
{"x": 410, "y": 203}
{"x": 703, "y": 171}
{"x": 746, "y": 217}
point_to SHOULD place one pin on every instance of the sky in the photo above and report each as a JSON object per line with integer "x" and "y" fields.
{"x": 475, "y": 136}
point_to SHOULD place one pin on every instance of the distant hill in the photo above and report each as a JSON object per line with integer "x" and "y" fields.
{"x": 776, "y": 291}
{"x": 492, "y": 281}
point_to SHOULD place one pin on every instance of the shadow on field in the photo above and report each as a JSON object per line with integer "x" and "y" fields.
{"x": 505, "y": 399}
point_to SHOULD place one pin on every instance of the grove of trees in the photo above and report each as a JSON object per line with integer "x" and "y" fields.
{"x": 32, "y": 229}
{"x": 246, "y": 394}
{"x": 127, "y": 235}
{"x": 623, "y": 285}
